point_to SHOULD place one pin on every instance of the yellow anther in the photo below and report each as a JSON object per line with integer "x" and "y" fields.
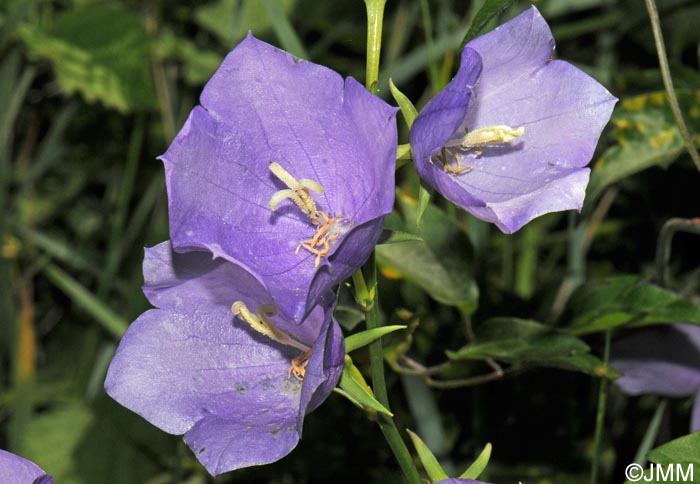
{"x": 297, "y": 192}
{"x": 448, "y": 168}
{"x": 476, "y": 140}
{"x": 298, "y": 368}
{"x": 320, "y": 243}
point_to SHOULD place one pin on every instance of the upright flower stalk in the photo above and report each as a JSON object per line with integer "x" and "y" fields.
{"x": 375, "y": 18}
{"x": 375, "y": 22}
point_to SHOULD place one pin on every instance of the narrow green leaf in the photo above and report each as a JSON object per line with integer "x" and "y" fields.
{"x": 363, "y": 338}
{"x": 104, "y": 316}
{"x": 354, "y": 385}
{"x": 478, "y": 466}
{"x": 489, "y": 10}
{"x": 430, "y": 463}
{"x": 423, "y": 201}
{"x": 408, "y": 110}
{"x": 396, "y": 236}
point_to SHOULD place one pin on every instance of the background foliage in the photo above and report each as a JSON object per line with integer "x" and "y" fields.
{"x": 91, "y": 92}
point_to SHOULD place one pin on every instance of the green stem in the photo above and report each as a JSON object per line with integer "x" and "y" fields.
{"x": 375, "y": 20}
{"x": 668, "y": 82}
{"x": 600, "y": 416}
{"x": 376, "y": 357}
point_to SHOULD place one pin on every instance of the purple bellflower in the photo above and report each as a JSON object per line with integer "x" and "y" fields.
{"x": 284, "y": 169}
{"x": 509, "y": 138}
{"x": 216, "y": 363}
{"x": 16, "y": 470}
{"x": 663, "y": 360}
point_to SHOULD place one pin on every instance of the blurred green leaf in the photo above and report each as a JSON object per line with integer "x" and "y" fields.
{"x": 430, "y": 463}
{"x": 522, "y": 341}
{"x": 348, "y": 316}
{"x": 230, "y": 20}
{"x": 284, "y": 30}
{"x": 198, "y": 64}
{"x": 488, "y": 11}
{"x": 79, "y": 445}
{"x": 439, "y": 263}
{"x": 647, "y": 136}
{"x": 99, "y": 51}
{"x": 627, "y": 300}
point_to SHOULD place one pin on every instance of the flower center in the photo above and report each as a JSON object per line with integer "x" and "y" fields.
{"x": 260, "y": 323}
{"x": 475, "y": 140}
{"x": 328, "y": 228}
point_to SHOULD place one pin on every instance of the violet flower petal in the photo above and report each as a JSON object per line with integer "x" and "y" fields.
{"x": 562, "y": 109}
{"x": 264, "y": 106}
{"x": 661, "y": 360}
{"x": 695, "y": 415}
{"x": 190, "y": 367}
{"x": 454, "y": 480}
{"x": 17, "y": 470}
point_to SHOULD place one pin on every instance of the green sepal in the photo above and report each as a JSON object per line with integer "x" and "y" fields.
{"x": 430, "y": 463}
{"x": 363, "y": 338}
{"x": 354, "y": 386}
{"x": 408, "y": 110}
{"x": 478, "y": 466}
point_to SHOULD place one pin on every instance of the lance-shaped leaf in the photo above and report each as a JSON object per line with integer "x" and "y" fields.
{"x": 627, "y": 300}
{"x": 529, "y": 343}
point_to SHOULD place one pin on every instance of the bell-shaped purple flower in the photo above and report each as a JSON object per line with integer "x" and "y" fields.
{"x": 214, "y": 362}
{"x": 16, "y": 470}
{"x": 285, "y": 169}
{"x": 663, "y": 360}
{"x": 509, "y": 138}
